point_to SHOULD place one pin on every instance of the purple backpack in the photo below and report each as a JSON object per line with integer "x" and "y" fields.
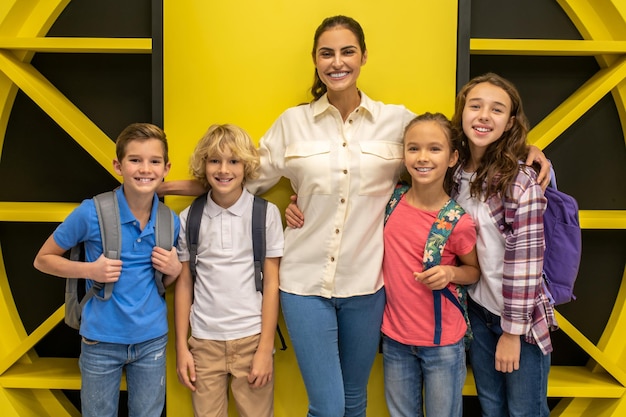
{"x": 563, "y": 244}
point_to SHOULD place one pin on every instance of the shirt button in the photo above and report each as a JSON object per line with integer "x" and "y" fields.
{"x": 139, "y": 240}
{"x": 344, "y": 144}
{"x": 343, "y": 200}
{"x": 332, "y": 259}
{"x": 345, "y": 171}
{"x": 336, "y": 231}
{"x": 350, "y": 121}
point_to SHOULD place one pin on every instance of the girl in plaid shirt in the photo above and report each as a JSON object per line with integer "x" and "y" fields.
{"x": 510, "y": 314}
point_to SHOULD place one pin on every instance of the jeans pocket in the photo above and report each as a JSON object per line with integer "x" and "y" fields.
{"x": 89, "y": 341}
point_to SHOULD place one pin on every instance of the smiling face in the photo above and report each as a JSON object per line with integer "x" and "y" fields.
{"x": 225, "y": 174}
{"x": 143, "y": 166}
{"x": 428, "y": 153}
{"x": 486, "y": 116}
{"x": 338, "y": 59}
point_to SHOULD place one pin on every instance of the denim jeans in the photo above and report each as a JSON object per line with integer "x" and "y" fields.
{"x": 422, "y": 379}
{"x": 335, "y": 341}
{"x": 101, "y": 366}
{"x": 521, "y": 393}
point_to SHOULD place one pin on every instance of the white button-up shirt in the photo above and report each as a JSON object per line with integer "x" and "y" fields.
{"x": 343, "y": 173}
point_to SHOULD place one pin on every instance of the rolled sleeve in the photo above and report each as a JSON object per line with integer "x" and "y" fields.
{"x": 523, "y": 259}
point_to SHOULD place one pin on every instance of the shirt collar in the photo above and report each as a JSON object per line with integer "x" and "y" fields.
{"x": 127, "y": 216}
{"x": 367, "y": 105}
{"x": 238, "y": 209}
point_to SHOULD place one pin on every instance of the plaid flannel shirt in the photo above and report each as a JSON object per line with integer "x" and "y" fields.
{"x": 519, "y": 217}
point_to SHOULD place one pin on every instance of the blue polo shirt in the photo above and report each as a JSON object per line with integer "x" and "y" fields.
{"x": 135, "y": 312}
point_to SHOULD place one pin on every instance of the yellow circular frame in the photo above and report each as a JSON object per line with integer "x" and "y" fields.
{"x": 31, "y": 386}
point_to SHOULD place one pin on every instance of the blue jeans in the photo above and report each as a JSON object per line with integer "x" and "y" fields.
{"x": 424, "y": 379}
{"x": 521, "y": 393}
{"x": 101, "y": 367}
{"x": 336, "y": 341}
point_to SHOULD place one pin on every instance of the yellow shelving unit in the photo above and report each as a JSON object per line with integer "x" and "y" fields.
{"x": 30, "y": 385}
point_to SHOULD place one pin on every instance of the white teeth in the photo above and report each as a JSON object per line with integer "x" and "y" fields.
{"x": 338, "y": 74}
{"x": 482, "y": 129}
{"x": 423, "y": 169}
{"x": 144, "y": 179}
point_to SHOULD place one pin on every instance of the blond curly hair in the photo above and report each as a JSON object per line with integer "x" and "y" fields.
{"x": 215, "y": 142}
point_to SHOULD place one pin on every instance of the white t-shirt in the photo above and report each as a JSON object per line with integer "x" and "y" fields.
{"x": 344, "y": 174}
{"x": 226, "y": 304}
{"x": 489, "y": 247}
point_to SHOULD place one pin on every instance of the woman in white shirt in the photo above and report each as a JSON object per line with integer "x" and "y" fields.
{"x": 342, "y": 153}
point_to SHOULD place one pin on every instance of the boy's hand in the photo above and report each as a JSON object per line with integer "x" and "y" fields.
{"x": 166, "y": 261}
{"x": 262, "y": 369}
{"x": 293, "y": 215}
{"x": 186, "y": 368}
{"x": 105, "y": 270}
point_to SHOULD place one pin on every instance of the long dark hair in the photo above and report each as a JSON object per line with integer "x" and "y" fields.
{"x": 500, "y": 164}
{"x": 319, "y": 88}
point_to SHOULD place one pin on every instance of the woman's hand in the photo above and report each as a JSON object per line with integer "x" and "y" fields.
{"x": 181, "y": 187}
{"x": 535, "y": 155}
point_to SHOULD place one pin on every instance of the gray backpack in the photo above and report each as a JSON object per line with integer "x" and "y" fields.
{"x": 76, "y": 294}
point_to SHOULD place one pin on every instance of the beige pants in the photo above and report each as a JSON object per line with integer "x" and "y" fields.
{"x": 219, "y": 363}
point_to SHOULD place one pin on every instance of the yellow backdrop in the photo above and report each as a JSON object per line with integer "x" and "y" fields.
{"x": 245, "y": 62}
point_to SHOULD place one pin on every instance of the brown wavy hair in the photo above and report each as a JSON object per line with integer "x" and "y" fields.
{"x": 500, "y": 164}
{"x": 319, "y": 88}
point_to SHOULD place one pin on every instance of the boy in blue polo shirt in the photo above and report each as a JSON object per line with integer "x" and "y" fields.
{"x": 129, "y": 330}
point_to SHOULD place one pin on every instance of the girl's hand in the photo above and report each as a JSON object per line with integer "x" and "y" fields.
{"x": 436, "y": 278}
{"x": 293, "y": 216}
{"x": 508, "y": 353}
{"x": 535, "y": 155}
{"x": 186, "y": 368}
{"x": 262, "y": 369}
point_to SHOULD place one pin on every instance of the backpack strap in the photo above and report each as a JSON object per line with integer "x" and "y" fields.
{"x": 259, "y": 210}
{"x": 163, "y": 236}
{"x": 194, "y": 218}
{"x": 440, "y": 231}
{"x": 401, "y": 188}
{"x": 108, "y": 213}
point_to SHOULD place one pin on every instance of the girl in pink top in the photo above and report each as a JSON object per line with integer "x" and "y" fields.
{"x": 421, "y": 373}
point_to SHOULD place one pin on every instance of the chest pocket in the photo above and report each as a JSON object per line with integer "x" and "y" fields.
{"x": 309, "y": 167}
{"x": 380, "y": 161}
